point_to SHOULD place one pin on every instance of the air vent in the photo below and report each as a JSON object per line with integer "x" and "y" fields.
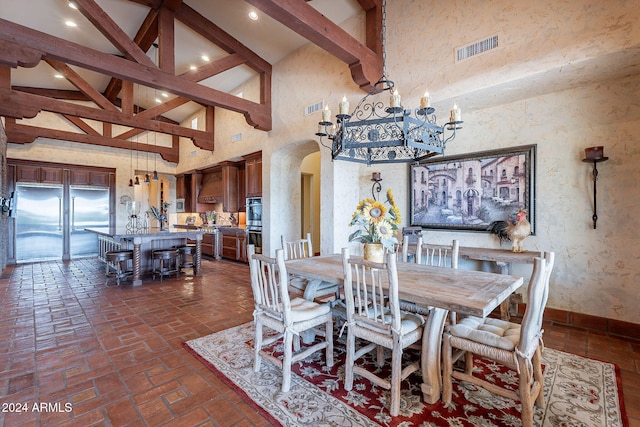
{"x": 236, "y": 137}
{"x": 313, "y": 108}
{"x": 476, "y": 48}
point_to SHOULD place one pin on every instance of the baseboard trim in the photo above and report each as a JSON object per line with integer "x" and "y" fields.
{"x": 586, "y": 321}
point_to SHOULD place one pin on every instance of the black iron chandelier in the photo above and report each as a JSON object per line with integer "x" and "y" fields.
{"x": 375, "y": 133}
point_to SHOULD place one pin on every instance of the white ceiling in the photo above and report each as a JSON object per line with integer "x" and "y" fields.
{"x": 266, "y": 37}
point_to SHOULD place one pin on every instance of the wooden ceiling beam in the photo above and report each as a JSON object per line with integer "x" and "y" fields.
{"x": 81, "y": 124}
{"x": 365, "y": 62}
{"x": 82, "y": 85}
{"x": 215, "y": 67}
{"x": 219, "y": 37}
{"x": 257, "y": 115}
{"x": 166, "y": 41}
{"x": 24, "y": 105}
{"x": 20, "y": 134}
{"x": 113, "y": 32}
{"x": 146, "y": 35}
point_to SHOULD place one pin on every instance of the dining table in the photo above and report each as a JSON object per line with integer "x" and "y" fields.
{"x": 466, "y": 292}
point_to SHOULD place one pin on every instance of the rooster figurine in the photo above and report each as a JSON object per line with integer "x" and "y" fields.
{"x": 516, "y": 233}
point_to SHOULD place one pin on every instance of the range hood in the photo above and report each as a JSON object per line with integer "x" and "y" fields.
{"x": 210, "y": 188}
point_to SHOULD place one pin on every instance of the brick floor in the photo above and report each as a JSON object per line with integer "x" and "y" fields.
{"x": 91, "y": 354}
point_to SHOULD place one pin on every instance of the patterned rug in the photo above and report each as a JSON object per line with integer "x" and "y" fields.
{"x": 578, "y": 391}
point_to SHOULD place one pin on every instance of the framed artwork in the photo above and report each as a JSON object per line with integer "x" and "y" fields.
{"x": 469, "y": 191}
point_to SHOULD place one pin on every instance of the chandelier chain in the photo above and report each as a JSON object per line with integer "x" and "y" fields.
{"x": 384, "y": 37}
{"x": 376, "y": 133}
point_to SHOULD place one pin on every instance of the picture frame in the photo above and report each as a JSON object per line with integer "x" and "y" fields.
{"x": 469, "y": 191}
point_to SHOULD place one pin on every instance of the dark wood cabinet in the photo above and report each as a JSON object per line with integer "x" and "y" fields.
{"x": 180, "y": 187}
{"x": 230, "y": 188}
{"x": 27, "y": 173}
{"x": 51, "y": 175}
{"x": 220, "y": 185}
{"x": 253, "y": 175}
{"x": 234, "y": 244}
{"x": 187, "y": 185}
{"x": 88, "y": 177}
{"x": 242, "y": 188}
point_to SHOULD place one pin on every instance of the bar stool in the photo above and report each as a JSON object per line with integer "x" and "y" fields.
{"x": 186, "y": 256}
{"x": 118, "y": 265}
{"x": 165, "y": 262}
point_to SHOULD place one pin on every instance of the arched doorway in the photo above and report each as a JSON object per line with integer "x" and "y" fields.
{"x": 291, "y": 202}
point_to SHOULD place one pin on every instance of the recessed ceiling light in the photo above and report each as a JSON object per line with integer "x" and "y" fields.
{"x": 158, "y": 101}
{"x": 253, "y": 16}
{"x": 164, "y": 94}
{"x": 70, "y": 24}
{"x": 73, "y": 5}
{"x": 205, "y": 58}
{"x": 58, "y": 76}
{"x": 193, "y": 67}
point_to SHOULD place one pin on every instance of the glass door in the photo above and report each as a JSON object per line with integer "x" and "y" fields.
{"x": 89, "y": 208}
{"x": 39, "y": 222}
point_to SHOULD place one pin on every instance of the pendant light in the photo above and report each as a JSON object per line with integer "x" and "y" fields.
{"x": 155, "y": 134}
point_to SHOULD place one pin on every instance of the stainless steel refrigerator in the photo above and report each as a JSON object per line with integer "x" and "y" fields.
{"x": 50, "y": 222}
{"x": 89, "y": 208}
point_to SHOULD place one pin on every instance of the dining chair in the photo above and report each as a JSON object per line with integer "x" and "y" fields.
{"x": 435, "y": 255}
{"x": 374, "y": 316}
{"x": 303, "y": 248}
{"x": 289, "y": 317}
{"x": 517, "y": 346}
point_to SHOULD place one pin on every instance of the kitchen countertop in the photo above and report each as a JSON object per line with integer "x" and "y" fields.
{"x": 210, "y": 228}
{"x": 123, "y": 233}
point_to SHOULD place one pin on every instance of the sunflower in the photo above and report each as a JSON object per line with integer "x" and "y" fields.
{"x": 384, "y": 229}
{"x": 374, "y": 212}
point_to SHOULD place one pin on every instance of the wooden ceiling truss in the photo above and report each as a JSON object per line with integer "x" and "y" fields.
{"x": 24, "y": 47}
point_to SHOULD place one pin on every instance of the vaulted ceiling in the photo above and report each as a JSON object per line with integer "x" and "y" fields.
{"x": 122, "y": 53}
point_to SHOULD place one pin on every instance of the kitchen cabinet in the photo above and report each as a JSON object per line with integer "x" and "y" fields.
{"x": 253, "y": 175}
{"x": 44, "y": 174}
{"x": 220, "y": 185}
{"x": 51, "y": 175}
{"x": 89, "y": 177}
{"x": 234, "y": 244}
{"x": 242, "y": 190}
{"x": 187, "y": 185}
{"x": 230, "y": 188}
{"x": 211, "y": 245}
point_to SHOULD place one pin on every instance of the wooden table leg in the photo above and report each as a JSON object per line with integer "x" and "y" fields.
{"x": 430, "y": 361}
{"x": 505, "y": 268}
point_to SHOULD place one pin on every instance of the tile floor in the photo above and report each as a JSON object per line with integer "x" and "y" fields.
{"x": 94, "y": 355}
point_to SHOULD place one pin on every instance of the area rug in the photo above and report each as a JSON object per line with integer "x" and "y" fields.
{"x": 579, "y": 391}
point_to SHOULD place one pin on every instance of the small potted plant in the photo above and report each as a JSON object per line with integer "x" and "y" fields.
{"x": 160, "y": 214}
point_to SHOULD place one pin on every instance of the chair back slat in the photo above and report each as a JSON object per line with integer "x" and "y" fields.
{"x": 537, "y": 293}
{"x": 437, "y": 255}
{"x": 269, "y": 284}
{"x": 297, "y": 249}
{"x": 369, "y": 287}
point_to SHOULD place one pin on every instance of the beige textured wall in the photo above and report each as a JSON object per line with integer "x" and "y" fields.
{"x": 537, "y": 87}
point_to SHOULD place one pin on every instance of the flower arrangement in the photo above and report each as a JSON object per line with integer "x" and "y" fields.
{"x": 378, "y": 222}
{"x": 160, "y": 213}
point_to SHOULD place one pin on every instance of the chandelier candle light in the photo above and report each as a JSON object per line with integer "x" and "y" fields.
{"x": 373, "y": 133}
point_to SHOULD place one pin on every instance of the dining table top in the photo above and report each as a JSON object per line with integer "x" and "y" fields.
{"x": 469, "y": 292}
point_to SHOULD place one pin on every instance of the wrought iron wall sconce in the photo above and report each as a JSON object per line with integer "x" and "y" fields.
{"x": 377, "y": 187}
{"x": 594, "y": 155}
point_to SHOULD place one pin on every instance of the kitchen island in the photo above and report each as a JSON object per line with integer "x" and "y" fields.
{"x": 147, "y": 240}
